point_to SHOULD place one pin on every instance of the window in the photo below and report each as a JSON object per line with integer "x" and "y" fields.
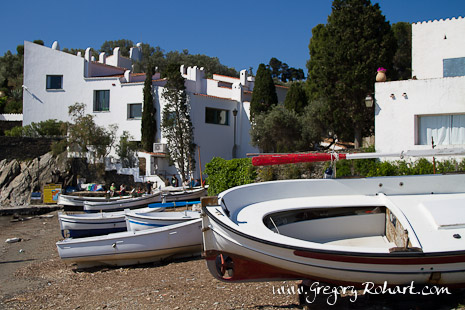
{"x": 101, "y": 100}
{"x": 134, "y": 110}
{"x": 216, "y": 116}
{"x": 442, "y": 129}
{"x": 54, "y": 82}
{"x": 224, "y": 84}
{"x": 453, "y": 67}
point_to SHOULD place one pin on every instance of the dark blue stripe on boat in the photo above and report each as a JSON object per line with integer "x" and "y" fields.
{"x": 86, "y": 223}
{"x": 80, "y": 233}
{"x": 173, "y": 204}
{"x": 147, "y": 224}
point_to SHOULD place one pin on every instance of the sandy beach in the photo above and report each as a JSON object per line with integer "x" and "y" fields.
{"x": 34, "y": 277}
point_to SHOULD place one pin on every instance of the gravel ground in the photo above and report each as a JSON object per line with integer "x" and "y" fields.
{"x": 33, "y": 277}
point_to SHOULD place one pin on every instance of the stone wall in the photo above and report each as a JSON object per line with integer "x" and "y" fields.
{"x": 22, "y": 148}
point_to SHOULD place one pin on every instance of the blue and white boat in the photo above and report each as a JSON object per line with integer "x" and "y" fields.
{"x": 78, "y": 201}
{"x": 141, "y": 221}
{"x": 96, "y": 224}
{"x": 134, "y": 247}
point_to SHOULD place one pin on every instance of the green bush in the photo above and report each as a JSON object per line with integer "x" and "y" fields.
{"x": 266, "y": 173}
{"x": 48, "y": 128}
{"x": 447, "y": 166}
{"x": 59, "y": 147}
{"x": 14, "y": 132}
{"x": 375, "y": 167}
{"x": 423, "y": 166}
{"x": 224, "y": 174}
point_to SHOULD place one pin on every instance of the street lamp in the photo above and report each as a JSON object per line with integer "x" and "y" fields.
{"x": 234, "y": 150}
{"x": 369, "y": 101}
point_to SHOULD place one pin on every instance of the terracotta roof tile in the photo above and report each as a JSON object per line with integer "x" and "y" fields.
{"x": 108, "y": 66}
{"x": 210, "y": 96}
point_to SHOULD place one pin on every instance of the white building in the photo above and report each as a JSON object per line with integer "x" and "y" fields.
{"x": 430, "y": 107}
{"x": 54, "y": 80}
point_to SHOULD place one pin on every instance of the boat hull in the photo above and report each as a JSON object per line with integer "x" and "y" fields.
{"x": 135, "y": 247}
{"x": 142, "y": 221}
{"x": 78, "y": 201}
{"x": 258, "y": 260}
{"x": 183, "y": 195}
{"x": 96, "y": 224}
{"x": 130, "y": 203}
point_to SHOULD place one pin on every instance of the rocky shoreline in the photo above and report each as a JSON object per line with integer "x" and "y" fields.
{"x": 29, "y": 210}
{"x": 18, "y": 179}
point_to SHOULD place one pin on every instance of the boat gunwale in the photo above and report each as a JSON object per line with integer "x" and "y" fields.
{"x": 326, "y": 251}
{"x": 93, "y": 204}
{"x": 93, "y": 222}
{"x": 168, "y": 217}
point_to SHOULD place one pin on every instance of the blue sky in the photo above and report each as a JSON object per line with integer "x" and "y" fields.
{"x": 241, "y": 34}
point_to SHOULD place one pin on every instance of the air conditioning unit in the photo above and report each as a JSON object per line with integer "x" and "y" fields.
{"x": 159, "y": 148}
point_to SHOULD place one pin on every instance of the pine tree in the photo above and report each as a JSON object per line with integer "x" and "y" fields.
{"x": 296, "y": 98}
{"x": 176, "y": 124}
{"x": 148, "y": 126}
{"x": 264, "y": 95}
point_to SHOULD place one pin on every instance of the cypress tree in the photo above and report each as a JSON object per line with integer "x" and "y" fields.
{"x": 148, "y": 126}
{"x": 264, "y": 95}
{"x": 176, "y": 123}
{"x": 344, "y": 56}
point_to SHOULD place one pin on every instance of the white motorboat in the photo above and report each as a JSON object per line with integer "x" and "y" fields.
{"x": 392, "y": 230}
{"x": 95, "y": 224}
{"x": 136, "y": 220}
{"x": 134, "y": 247}
{"x": 119, "y": 205}
{"x": 78, "y": 201}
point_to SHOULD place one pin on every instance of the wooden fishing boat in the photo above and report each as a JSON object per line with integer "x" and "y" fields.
{"x": 120, "y": 205}
{"x": 136, "y": 220}
{"x": 384, "y": 230}
{"x": 96, "y": 224}
{"x": 78, "y": 201}
{"x": 340, "y": 231}
{"x": 166, "y": 195}
{"x": 134, "y": 247}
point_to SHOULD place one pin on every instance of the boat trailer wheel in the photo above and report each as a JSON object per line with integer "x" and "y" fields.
{"x": 224, "y": 266}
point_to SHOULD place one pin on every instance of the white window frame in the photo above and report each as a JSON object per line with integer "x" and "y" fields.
{"x": 440, "y": 129}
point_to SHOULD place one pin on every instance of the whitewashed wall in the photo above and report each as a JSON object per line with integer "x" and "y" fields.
{"x": 40, "y": 104}
{"x": 400, "y": 103}
{"x": 395, "y": 119}
{"x": 11, "y": 117}
{"x": 433, "y": 41}
{"x": 81, "y": 77}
